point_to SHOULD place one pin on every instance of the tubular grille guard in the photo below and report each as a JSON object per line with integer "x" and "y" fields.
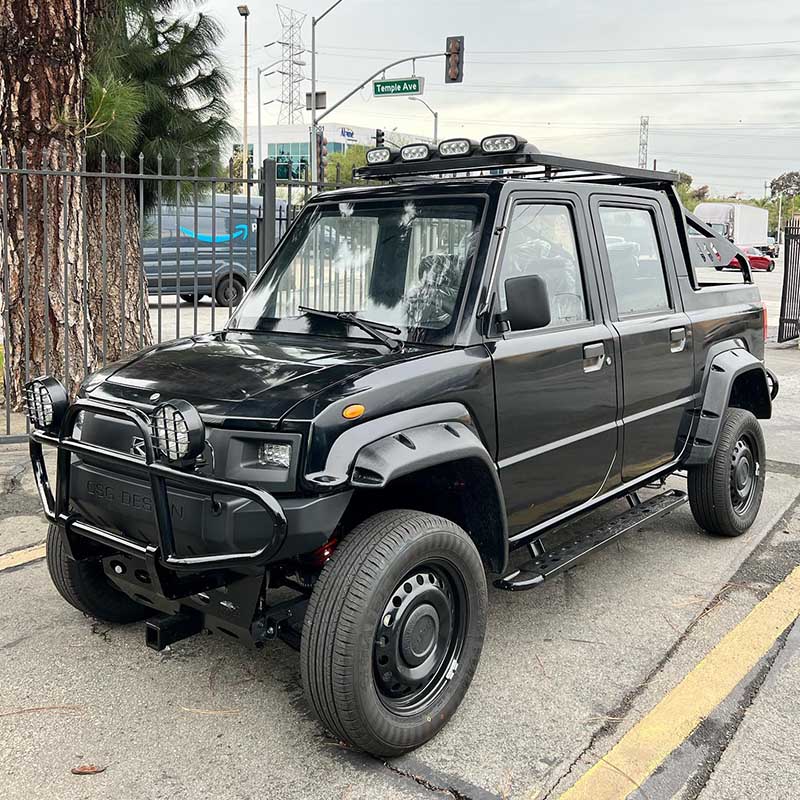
{"x": 56, "y": 507}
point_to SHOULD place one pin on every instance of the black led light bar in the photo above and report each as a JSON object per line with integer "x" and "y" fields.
{"x": 503, "y": 152}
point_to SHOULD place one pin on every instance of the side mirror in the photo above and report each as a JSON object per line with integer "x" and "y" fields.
{"x": 528, "y": 303}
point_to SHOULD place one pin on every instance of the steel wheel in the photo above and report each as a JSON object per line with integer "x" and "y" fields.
{"x": 419, "y": 638}
{"x": 745, "y": 471}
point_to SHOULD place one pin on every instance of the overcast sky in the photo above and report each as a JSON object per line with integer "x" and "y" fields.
{"x": 720, "y": 81}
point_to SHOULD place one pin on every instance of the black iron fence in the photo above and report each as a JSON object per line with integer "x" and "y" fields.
{"x": 98, "y": 263}
{"x": 789, "y": 324}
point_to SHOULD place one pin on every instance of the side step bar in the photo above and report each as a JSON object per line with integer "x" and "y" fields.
{"x": 545, "y": 564}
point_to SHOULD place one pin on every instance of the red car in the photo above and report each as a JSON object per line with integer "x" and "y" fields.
{"x": 758, "y": 261}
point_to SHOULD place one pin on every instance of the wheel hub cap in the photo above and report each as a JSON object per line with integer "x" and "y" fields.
{"x": 744, "y": 475}
{"x": 415, "y": 639}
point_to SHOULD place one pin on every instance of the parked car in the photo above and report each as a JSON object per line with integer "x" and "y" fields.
{"x": 771, "y": 248}
{"x": 211, "y": 247}
{"x": 477, "y": 360}
{"x": 756, "y": 259}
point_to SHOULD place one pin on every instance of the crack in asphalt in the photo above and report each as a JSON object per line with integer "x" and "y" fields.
{"x": 626, "y": 704}
{"x": 697, "y": 782}
{"x": 426, "y": 784}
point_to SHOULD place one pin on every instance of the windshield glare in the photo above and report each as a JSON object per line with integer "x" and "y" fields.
{"x": 401, "y": 262}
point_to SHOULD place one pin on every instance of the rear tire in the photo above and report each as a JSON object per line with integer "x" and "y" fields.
{"x": 725, "y": 494}
{"x": 229, "y": 292}
{"x": 84, "y": 585}
{"x": 394, "y": 631}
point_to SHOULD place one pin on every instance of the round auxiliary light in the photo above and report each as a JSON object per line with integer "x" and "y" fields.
{"x": 505, "y": 143}
{"x": 178, "y": 431}
{"x": 46, "y": 402}
{"x": 379, "y": 155}
{"x": 454, "y": 147}
{"x": 415, "y": 152}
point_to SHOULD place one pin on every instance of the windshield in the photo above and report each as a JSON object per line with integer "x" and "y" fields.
{"x": 400, "y": 262}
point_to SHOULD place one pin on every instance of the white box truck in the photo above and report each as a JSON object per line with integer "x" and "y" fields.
{"x": 737, "y": 222}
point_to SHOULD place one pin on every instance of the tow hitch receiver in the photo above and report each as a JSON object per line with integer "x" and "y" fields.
{"x": 166, "y": 629}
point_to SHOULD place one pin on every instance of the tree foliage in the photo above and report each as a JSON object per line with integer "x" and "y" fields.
{"x": 156, "y": 87}
{"x": 354, "y": 156}
{"x": 787, "y": 184}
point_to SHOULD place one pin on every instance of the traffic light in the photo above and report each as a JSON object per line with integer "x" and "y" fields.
{"x": 454, "y": 66}
{"x": 378, "y": 137}
{"x": 322, "y": 155}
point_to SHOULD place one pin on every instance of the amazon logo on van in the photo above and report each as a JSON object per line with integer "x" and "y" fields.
{"x": 239, "y": 232}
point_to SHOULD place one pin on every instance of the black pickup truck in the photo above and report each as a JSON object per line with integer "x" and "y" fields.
{"x": 425, "y": 376}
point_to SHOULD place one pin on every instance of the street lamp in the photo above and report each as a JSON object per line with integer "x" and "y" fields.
{"x": 435, "y": 118}
{"x": 313, "y": 133}
{"x": 244, "y": 12}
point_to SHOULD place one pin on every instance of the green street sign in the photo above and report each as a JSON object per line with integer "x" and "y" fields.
{"x": 398, "y": 86}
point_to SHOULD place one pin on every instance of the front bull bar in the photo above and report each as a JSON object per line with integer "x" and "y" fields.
{"x": 56, "y": 508}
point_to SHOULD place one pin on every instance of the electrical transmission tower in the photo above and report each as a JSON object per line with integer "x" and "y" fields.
{"x": 293, "y": 100}
{"x": 644, "y": 130}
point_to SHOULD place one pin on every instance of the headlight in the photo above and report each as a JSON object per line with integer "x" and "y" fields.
{"x": 455, "y": 147}
{"x": 46, "y": 402}
{"x": 415, "y": 152}
{"x": 274, "y": 454}
{"x": 178, "y": 431}
{"x": 379, "y": 155}
{"x": 501, "y": 144}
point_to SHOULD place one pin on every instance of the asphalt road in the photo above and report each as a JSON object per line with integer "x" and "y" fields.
{"x": 569, "y": 671}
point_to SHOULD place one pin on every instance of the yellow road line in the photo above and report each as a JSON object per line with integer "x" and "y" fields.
{"x": 640, "y": 751}
{"x": 21, "y": 556}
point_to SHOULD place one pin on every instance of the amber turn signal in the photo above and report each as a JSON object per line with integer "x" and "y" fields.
{"x": 354, "y": 411}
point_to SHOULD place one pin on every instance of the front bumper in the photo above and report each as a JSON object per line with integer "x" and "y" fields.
{"x": 162, "y": 560}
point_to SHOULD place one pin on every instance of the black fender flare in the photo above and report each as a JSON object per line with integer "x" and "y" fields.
{"x": 371, "y": 455}
{"x": 722, "y": 371}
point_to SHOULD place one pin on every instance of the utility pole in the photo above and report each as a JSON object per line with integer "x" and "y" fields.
{"x": 313, "y": 131}
{"x": 780, "y": 214}
{"x": 244, "y": 12}
{"x": 644, "y": 130}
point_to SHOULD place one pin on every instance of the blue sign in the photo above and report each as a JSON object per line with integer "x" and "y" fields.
{"x": 347, "y": 133}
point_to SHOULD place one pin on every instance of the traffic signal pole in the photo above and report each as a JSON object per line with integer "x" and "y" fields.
{"x": 312, "y": 142}
{"x": 453, "y": 55}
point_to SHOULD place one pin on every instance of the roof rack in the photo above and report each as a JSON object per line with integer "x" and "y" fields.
{"x": 525, "y": 162}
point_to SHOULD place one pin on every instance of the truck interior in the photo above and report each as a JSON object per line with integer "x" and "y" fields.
{"x": 707, "y": 253}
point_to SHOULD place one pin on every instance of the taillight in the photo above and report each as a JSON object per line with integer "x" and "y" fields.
{"x": 764, "y": 317}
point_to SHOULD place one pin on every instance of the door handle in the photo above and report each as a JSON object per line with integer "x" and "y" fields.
{"x": 593, "y": 356}
{"x": 677, "y": 339}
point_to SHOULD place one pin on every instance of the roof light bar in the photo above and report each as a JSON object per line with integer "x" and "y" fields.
{"x": 504, "y": 143}
{"x": 415, "y": 152}
{"x": 455, "y": 147}
{"x": 379, "y": 155}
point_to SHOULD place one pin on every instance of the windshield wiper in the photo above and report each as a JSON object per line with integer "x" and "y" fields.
{"x": 374, "y": 329}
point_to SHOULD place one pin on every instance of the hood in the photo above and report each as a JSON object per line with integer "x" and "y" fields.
{"x": 241, "y": 374}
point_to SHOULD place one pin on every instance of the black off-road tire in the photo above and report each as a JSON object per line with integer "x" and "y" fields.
{"x": 85, "y": 586}
{"x": 712, "y": 487}
{"x": 378, "y": 572}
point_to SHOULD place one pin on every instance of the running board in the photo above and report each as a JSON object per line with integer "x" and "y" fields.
{"x": 549, "y": 563}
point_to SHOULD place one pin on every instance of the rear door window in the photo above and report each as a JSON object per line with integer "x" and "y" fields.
{"x": 635, "y": 260}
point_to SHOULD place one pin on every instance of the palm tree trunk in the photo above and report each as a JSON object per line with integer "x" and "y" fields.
{"x": 42, "y": 63}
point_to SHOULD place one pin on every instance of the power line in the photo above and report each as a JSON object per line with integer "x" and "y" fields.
{"x": 588, "y": 50}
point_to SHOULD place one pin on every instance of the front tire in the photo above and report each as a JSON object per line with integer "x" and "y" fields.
{"x": 725, "y": 494}
{"x": 84, "y": 585}
{"x": 394, "y": 631}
